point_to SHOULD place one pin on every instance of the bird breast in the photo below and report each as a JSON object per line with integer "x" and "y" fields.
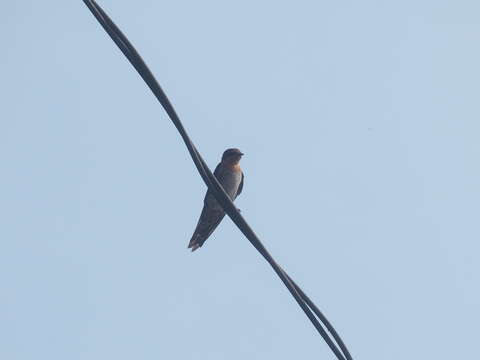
{"x": 230, "y": 182}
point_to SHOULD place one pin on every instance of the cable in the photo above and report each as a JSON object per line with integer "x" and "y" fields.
{"x": 338, "y": 348}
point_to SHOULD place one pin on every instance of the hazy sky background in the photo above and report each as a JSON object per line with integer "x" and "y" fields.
{"x": 360, "y": 125}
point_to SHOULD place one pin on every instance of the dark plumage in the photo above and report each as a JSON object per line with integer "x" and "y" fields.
{"x": 230, "y": 176}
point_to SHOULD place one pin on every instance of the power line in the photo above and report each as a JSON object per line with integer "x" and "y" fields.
{"x": 336, "y": 344}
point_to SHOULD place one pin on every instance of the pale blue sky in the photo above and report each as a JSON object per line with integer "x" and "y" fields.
{"x": 360, "y": 125}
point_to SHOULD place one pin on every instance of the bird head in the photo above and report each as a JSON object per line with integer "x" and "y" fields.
{"x": 232, "y": 156}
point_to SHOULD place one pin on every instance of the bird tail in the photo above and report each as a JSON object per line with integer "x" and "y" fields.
{"x": 207, "y": 223}
{"x": 194, "y": 243}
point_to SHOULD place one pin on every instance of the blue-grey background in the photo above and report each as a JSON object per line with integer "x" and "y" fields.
{"x": 360, "y": 124}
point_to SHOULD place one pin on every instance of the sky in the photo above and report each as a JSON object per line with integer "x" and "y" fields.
{"x": 359, "y": 122}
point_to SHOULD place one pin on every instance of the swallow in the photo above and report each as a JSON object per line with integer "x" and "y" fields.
{"x": 230, "y": 176}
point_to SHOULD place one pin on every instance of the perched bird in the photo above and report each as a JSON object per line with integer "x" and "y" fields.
{"x": 230, "y": 176}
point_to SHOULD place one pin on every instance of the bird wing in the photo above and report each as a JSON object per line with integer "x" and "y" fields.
{"x": 240, "y": 187}
{"x": 217, "y": 170}
{"x": 208, "y": 222}
{"x": 212, "y": 213}
{"x": 210, "y": 217}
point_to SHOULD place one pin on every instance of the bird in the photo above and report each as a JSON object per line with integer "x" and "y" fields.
{"x": 230, "y": 176}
